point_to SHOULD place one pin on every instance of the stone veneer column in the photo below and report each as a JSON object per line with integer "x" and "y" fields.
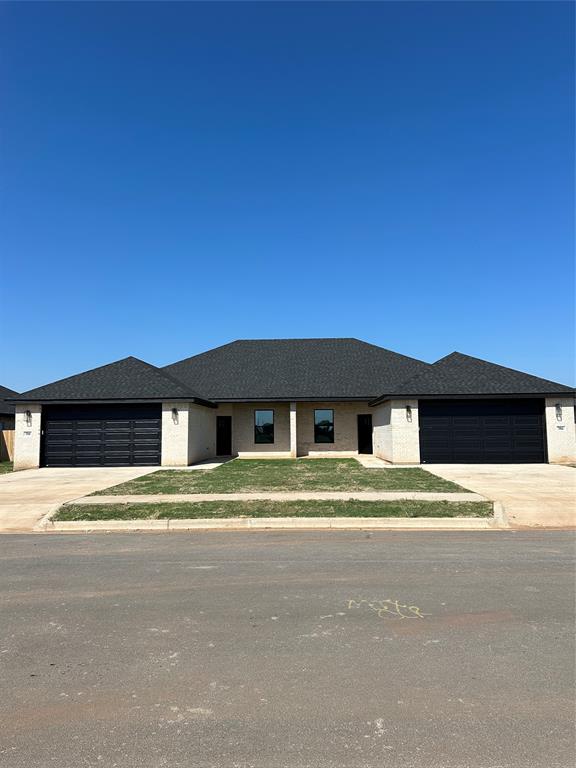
{"x": 560, "y": 430}
{"x": 27, "y": 436}
{"x": 174, "y": 435}
{"x": 293, "y": 430}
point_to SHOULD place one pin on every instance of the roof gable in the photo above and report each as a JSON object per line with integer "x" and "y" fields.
{"x": 284, "y": 369}
{"x": 127, "y": 379}
{"x": 459, "y": 374}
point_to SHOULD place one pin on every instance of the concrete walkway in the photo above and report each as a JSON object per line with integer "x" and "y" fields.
{"x": 371, "y": 462}
{"x": 25, "y": 497}
{"x": 167, "y": 498}
{"x": 533, "y": 495}
{"x": 208, "y": 464}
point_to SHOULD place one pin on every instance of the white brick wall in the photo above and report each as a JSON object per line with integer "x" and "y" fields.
{"x": 27, "y": 436}
{"x": 345, "y": 427}
{"x": 396, "y": 433}
{"x": 243, "y": 428}
{"x": 175, "y": 435}
{"x": 293, "y": 430}
{"x": 201, "y": 433}
{"x": 192, "y": 436}
{"x": 560, "y": 430}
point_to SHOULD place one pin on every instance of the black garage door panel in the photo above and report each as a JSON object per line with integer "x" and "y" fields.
{"x": 482, "y": 431}
{"x": 104, "y": 435}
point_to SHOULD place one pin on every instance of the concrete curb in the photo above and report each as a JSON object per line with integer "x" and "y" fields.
{"x": 278, "y": 523}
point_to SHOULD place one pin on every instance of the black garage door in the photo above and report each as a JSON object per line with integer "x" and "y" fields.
{"x": 482, "y": 431}
{"x": 101, "y": 435}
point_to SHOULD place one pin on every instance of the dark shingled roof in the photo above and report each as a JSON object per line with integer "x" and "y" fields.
{"x": 459, "y": 374}
{"x": 127, "y": 379}
{"x": 295, "y": 369}
{"x": 4, "y": 394}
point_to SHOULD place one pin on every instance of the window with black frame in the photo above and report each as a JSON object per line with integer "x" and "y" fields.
{"x": 324, "y": 425}
{"x": 263, "y": 427}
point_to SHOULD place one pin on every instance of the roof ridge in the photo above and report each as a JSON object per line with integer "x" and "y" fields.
{"x": 75, "y": 375}
{"x": 440, "y": 379}
{"x": 412, "y": 378}
{"x": 498, "y": 365}
{"x": 199, "y": 354}
{"x": 297, "y": 339}
{"x": 131, "y": 368}
{"x": 174, "y": 380}
{"x": 4, "y": 389}
{"x": 304, "y": 338}
{"x": 392, "y": 351}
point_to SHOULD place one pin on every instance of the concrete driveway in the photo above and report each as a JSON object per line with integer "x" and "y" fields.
{"x": 25, "y": 497}
{"x": 533, "y": 495}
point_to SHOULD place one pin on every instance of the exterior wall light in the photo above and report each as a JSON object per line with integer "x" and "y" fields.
{"x": 175, "y": 415}
{"x": 408, "y": 413}
{"x": 558, "y": 412}
{"x": 28, "y": 416}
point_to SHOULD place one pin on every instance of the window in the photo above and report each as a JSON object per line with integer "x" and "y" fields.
{"x": 324, "y": 425}
{"x": 263, "y": 426}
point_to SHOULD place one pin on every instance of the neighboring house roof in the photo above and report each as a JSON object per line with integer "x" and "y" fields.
{"x": 295, "y": 369}
{"x": 6, "y": 408}
{"x": 127, "y": 379}
{"x": 462, "y": 375}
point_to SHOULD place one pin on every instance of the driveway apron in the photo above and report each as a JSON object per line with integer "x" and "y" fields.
{"x": 533, "y": 495}
{"x": 26, "y": 496}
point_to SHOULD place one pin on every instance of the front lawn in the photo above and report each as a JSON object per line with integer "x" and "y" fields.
{"x": 222, "y": 509}
{"x": 6, "y": 466}
{"x": 250, "y": 475}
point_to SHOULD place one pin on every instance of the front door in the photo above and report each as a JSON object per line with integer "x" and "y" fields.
{"x": 365, "y": 433}
{"x": 223, "y": 435}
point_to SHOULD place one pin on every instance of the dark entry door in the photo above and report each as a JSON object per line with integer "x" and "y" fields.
{"x": 223, "y": 435}
{"x": 482, "y": 431}
{"x": 101, "y": 435}
{"x": 365, "y": 433}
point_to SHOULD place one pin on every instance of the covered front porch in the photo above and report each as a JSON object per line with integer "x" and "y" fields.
{"x": 292, "y": 429}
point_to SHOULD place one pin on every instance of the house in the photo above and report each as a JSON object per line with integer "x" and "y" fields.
{"x": 296, "y": 397}
{"x": 6, "y": 409}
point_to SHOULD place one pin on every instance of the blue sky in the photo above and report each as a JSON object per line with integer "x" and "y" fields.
{"x": 178, "y": 175}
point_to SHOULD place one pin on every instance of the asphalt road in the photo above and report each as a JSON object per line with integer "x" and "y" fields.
{"x": 286, "y": 650}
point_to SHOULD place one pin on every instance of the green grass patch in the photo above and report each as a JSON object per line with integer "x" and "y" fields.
{"x": 249, "y": 475}
{"x": 222, "y": 509}
{"x": 6, "y": 466}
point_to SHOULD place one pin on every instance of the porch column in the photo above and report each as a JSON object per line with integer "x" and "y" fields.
{"x": 560, "y": 430}
{"x": 293, "y": 431}
{"x": 175, "y": 434}
{"x": 27, "y": 436}
{"x": 396, "y": 431}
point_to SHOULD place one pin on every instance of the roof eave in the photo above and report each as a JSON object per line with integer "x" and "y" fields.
{"x": 322, "y": 399}
{"x": 103, "y": 400}
{"x": 475, "y": 395}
